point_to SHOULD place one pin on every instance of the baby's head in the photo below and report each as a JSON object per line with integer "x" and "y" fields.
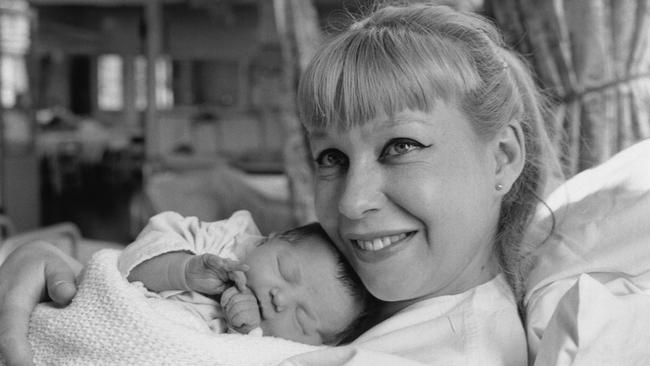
{"x": 306, "y": 290}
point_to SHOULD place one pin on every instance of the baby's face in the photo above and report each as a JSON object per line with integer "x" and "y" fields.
{"x": 299, "y": 296}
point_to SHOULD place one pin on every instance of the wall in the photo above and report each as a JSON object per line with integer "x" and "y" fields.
{"x": 192, "y": 33}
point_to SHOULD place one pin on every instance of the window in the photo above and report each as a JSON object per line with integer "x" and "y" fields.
{"x": 163, "y": 76}
{"x": 111, "y": 83}
{"x": 14, "y": 79}
{"x": 14, "y": 29}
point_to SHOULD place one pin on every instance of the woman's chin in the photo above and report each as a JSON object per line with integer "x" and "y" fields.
{"x": 392, "y": 291}
{"x": 387, "y": 284}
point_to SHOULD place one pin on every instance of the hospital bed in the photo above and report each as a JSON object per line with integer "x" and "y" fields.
{"x": 212, "y": 190}
{"x": 209, "y": 189}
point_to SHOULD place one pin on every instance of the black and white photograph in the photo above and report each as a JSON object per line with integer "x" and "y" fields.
{"x": 325, "y": 182}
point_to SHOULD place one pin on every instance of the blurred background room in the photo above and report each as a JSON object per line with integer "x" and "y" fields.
{"x": 114, "y": 110}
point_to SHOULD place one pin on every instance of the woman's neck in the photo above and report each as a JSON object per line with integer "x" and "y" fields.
{"x": 390, "y": 308}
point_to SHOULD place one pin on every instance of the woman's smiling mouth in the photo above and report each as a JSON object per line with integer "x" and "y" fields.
{"x": 379, "y": 243}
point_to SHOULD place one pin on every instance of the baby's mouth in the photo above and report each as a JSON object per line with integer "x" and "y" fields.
{"x": 379, "y": 243}
{"x": 260, "y": 307}
{"x": 264, "y": 309}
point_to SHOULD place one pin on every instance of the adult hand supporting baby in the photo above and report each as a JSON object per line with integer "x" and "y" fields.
{"x": 32, "y": 273}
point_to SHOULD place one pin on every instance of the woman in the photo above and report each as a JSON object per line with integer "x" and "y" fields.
{"x": 430, "y": 150}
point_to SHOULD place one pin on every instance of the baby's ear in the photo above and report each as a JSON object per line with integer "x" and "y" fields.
{"x": 510, "y": 156}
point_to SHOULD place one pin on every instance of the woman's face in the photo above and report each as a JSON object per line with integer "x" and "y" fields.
{"x": 411, "y": 202}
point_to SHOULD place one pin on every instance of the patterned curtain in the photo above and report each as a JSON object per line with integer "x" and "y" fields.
{"x": 289, "y": 33}
{"x": 592, "y": 58}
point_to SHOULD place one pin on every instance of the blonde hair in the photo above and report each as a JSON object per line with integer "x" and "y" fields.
{"x": 410, "y": 57}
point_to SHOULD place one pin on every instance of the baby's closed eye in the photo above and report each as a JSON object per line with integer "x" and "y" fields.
{"x": 289, "y": 270}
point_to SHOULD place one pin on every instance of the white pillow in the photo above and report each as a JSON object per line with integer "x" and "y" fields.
{"x": 603, "y": 231}
{"x": 593, "y": 326}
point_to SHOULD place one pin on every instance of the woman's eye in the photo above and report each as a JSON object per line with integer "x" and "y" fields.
{"x": 331, "y": 158}
{"x": 401, "y": 146}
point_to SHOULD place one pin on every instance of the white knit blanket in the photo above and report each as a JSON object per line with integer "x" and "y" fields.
{"x": 110, "y": 322}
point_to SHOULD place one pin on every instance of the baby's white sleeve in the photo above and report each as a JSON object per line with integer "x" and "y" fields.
{"x": 170, "y": 232}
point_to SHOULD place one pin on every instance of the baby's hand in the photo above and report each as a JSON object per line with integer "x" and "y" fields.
{"x": 241, "y": 310}
{"x": 211, "y": 275}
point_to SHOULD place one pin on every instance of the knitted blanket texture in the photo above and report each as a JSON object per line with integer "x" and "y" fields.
{"x": 110, "y": 322}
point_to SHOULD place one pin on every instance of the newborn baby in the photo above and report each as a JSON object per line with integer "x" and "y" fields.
{"x": 294, "y": 285}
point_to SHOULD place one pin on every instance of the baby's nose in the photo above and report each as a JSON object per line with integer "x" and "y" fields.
{"x": 280, "y": 299}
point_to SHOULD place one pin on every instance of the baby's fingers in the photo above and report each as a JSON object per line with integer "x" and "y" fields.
{"x": 227, "y": 295}
{"x": 239, "y": 278}
{"x": 232, "y": 265}
{"x": 244, "y": 317}
{"x": 219, "y": 264}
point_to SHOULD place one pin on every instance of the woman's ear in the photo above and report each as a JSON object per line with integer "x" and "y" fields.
{"x": 510, "y": 156}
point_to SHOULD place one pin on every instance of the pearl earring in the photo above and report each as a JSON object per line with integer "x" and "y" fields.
{"x": 499, "y": 186}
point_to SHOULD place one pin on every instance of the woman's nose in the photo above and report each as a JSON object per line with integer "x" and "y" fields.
{"x": 361, "y": 194}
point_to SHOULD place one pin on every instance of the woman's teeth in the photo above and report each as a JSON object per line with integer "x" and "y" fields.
{"x": 379, "y": 243}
